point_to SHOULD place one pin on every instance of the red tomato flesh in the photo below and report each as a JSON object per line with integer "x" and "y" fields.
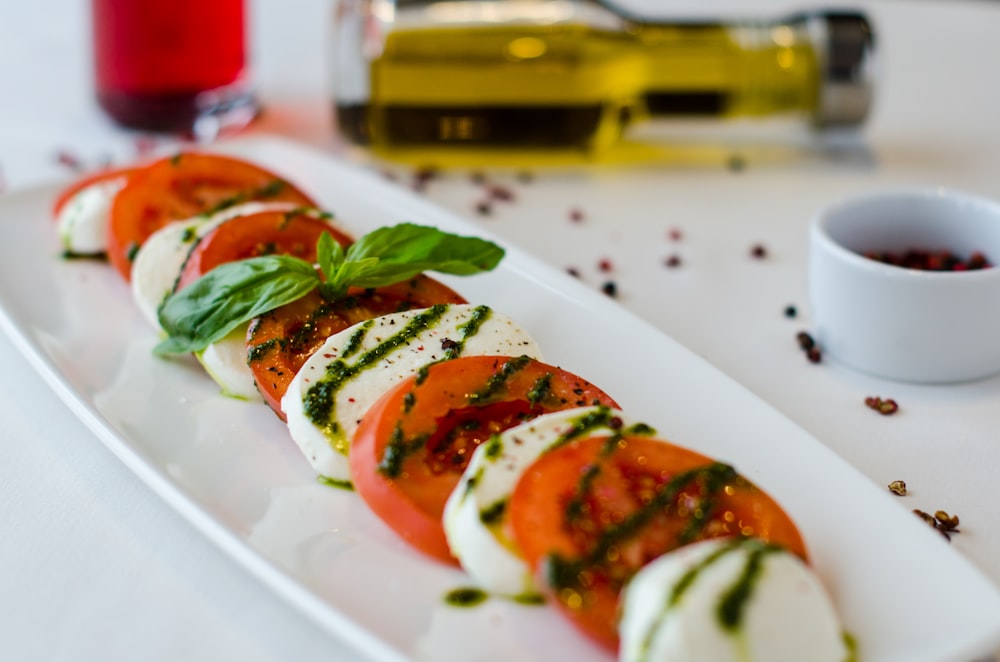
{"x": 588, "y": 515}
{"x": 182, "y": 187}
{"x": 281, "y": 341}
{"x": 293, "y": 233}
{"x": 412, "y": 446}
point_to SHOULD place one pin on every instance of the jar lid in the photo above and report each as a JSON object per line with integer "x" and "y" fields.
{"x": 846, "y": 48}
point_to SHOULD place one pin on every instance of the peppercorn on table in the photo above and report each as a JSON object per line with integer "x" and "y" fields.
{"x": 700, "y": 230}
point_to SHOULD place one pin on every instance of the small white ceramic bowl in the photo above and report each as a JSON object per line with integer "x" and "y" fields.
{"x": 907, "y": 324}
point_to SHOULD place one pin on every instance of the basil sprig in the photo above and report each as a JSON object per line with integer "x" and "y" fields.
{"x": 235, "y": 292}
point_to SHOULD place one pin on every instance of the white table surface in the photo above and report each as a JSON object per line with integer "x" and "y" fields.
{"x": 94, "y": 566}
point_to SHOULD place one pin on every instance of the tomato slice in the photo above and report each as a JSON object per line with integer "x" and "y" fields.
{"x": 281, "y": 341}
{"x": 413, "y": 444}
{"x": 181, "y": 187}
{"x": 293, "y": 233}
{"x": 89, "y": 180}
{"x": 588, "y": 515}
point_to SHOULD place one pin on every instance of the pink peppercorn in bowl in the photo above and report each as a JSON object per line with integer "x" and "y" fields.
{"x": 908, "y": 323}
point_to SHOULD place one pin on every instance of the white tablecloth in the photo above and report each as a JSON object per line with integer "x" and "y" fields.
{"x": 93, "y": 566}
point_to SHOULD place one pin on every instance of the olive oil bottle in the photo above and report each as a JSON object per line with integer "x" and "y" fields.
{"x": 577, "y": 74}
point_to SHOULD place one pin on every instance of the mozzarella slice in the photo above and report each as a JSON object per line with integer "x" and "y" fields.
{"x": 83, "y": 221}
{"x": 670, "y": 609}
{"x": 161, "y": 257}
{"x": 474, "y": 514}
{"x": 383, "y": 352}
{"x": 226, "y": 362}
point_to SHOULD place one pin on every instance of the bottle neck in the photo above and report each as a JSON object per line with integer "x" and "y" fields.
{"x": 729, "y": 69}
{"x": 816, "y": 64}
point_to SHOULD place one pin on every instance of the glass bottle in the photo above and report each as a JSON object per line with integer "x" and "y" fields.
{"x": 577, "y": 73}
{"x": 172, "y": 65}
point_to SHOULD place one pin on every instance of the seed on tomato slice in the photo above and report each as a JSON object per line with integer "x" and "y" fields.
{"x": 412, "y": 446}
{"x": 281, "y": 341}
{"x": 589, "y": 514}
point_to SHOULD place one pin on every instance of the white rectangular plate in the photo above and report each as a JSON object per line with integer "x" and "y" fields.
{"x": 231, "y": 469}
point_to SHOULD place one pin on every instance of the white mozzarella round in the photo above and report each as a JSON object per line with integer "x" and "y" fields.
{"x": 670, "y": 609}
{"x": 326, "y": 446}
{"x": 226, "y": 362}
{"x": 482, "y": 547}
{"x": 161, "y": 257}
{"x": 83, "y": 221}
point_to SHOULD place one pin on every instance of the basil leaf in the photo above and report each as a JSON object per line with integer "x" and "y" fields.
{"x": 229, "y": 295}
{"x": 407, "y": 249}
{"x": 329, "y": 254}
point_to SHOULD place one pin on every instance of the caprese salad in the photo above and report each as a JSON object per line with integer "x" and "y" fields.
{"x": 444, "y": 417}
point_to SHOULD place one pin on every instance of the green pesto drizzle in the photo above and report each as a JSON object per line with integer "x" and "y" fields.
{"x": 494, "y": 513}
{"x": 190, "y": 236}
{"x": 497, "y": 380}
{"x": 268, "y": 190}
{"x": 409, "y": 400}
{"x": 260, "y": 350}
{"x": 679, "y": 589}
{"x": 353, "y": 343}
{"x": 319, "y": 401}
{"x": 529, "y": 599}
{"x": 100, "y": 256}
{"x": 396, "y": 452}
{"x": 574, "y": 508}
{"x": 335, "y": 482}
{"x": 465, "y": 597}
{"x": 540, "y": 389}
{"x": 494, "y": 448}
{"x": 471, "y": 483}
{"x": 565, "y": 573}
{"x": 600, "y": 417}
{"x": 468, "y": 329}
{"x": 851, "y": 644}
{"x": 734, "y": 601}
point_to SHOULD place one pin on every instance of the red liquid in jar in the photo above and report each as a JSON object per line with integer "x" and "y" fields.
{"x": 163, "y": 64}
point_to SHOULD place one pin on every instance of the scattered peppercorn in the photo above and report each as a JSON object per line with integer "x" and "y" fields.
{"x": 525, "y": 177}
{"x": 576, "y": 215}
{"x": 484, "y": 208}
{"x": 758, "y": 251}
{"x": 898, "y": 487}
{"x": 924, "y": 260}
{"x": 674, "y": 234}
{"x": 501, "y": 193}
{"x": 144, "y": 145}
{"x": 885, "y": 407}
{"x": 70, "y": 160}
{"x": 477, "y": 177}
{"x": 941, "y": 521}
{"x": 573, "y": 271}
{"x": 605, "y": 265}
{"x": 946, "y": 521}
{"x": 610, "y": 289}
{"x": 673, "y": 260}
{"x": 422, "y": 176}
{"x": 736, "y": 163}
{"x": 791, "y": 312}
{"x": 809, "y": 347}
